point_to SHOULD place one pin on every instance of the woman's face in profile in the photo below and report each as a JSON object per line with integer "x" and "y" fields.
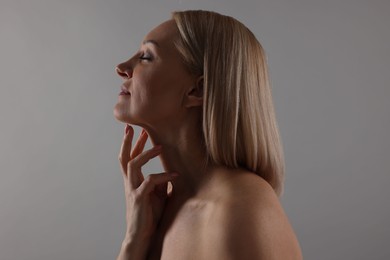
{"x": 156, "y": 79}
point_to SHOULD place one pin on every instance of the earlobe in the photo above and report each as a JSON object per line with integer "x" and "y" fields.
{"x": 194, "y": 97}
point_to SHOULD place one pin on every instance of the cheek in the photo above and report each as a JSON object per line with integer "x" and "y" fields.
{"x": 157, "y": 90}
{"x": 147, "y": 94}
{"x": 155, "y": 85}
{"x": 149, "y": 81}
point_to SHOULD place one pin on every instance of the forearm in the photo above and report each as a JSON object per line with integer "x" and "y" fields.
{"x": 133, "y": 250}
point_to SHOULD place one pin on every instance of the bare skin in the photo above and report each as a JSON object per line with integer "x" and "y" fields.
{"x": 198, "y": 219}
{"x": 238, "y": 217}
{"x": 163, "y": 91}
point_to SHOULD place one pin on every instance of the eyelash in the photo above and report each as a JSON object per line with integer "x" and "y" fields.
{"x": 145, "y": 57}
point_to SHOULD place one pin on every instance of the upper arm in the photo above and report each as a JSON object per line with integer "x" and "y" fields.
{"x": 254, "y": 225}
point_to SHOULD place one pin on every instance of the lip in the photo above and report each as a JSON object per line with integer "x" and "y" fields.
{"x": 124, "y": 91}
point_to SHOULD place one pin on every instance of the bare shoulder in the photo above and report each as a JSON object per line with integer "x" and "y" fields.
{"x": 251, "y": 222}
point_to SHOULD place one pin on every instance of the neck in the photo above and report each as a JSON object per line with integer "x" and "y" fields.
{"x": 183, "y": 152}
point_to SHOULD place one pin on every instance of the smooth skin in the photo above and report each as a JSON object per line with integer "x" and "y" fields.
{"x": 246, "y": 223}
{"x": 212, "y": 212}
{"x": 145, "y": 198}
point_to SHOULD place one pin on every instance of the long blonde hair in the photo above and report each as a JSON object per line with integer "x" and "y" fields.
{"x": 238, "y": 121}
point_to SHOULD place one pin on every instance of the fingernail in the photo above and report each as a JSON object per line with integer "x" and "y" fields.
{"x": 127, "y": 129}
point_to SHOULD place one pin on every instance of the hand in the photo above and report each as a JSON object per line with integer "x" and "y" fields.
{"x": 145, "y": 198}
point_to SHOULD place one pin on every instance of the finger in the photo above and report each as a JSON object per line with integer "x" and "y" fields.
{"x": 138, "y": 148}
{"x": 135, "y": 179}
{"x": 161, "y": 190}
{"x": 140, "y": 144}
{"x": 124, "y": 154}
{"x": 134, "y": 166}
{"x": 170, "y": 189}
{"x": 154, "y": 180}
{"x": 145, "y": 156}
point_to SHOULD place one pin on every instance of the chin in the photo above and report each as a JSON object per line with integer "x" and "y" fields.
{"x": 120, "y": 115}
{"x": 123, "y": 117}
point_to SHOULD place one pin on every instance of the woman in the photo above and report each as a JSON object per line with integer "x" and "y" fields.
{"x": 199, "y": 89}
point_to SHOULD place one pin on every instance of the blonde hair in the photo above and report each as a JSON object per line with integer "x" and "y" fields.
{"x": 238, "y": 121}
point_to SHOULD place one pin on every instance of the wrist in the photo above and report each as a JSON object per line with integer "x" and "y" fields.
{"x": 136, "y": 249}
{"x": 136, "y": 237}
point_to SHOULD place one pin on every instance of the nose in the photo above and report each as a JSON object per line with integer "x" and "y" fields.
{"x": 123, "y": 71}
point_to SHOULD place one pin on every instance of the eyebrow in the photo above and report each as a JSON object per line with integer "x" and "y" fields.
{"x": 151, "y": 41}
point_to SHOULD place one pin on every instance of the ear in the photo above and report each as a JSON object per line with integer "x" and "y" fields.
{"x": 195, "y": 93}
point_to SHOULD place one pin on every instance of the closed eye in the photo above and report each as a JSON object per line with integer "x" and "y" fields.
{"x": 145, "y": 57}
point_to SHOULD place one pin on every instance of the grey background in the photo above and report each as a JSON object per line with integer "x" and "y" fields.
{"x": 61, "y": 189}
